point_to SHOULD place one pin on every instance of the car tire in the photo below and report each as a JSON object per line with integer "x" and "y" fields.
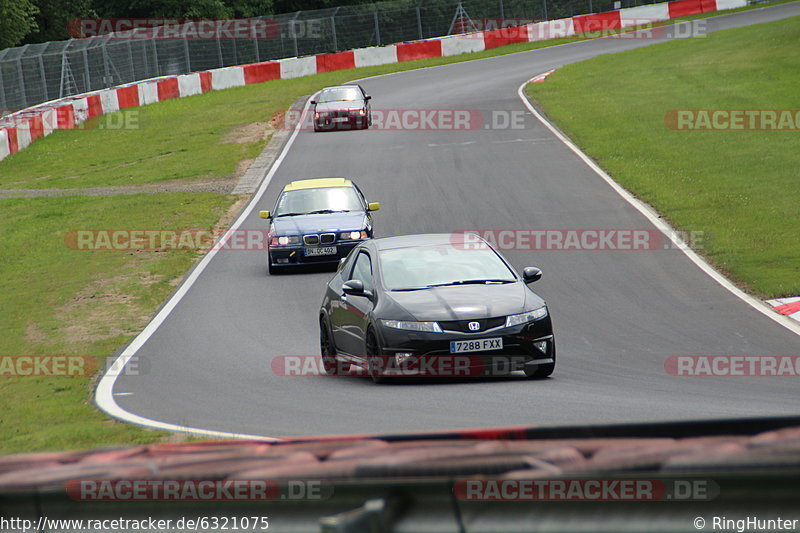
{"x": 542, "y": 371}
{"x": 374, "y": 359}
{"x": 330, "y": 363}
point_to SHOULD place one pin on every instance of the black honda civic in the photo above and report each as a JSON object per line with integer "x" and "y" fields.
{"x": 439, "y": 305}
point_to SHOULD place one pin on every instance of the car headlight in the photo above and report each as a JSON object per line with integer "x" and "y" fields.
{"x": 284, "y": 240}
{"x": 410, "y": 325}
{"x": 353, "y": 235}
{"x": 362, "y": 112}
{"x": 528, "y": 316}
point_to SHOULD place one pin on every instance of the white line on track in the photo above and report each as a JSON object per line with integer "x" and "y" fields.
{"x": 104, "y": 394}
{"x": 659, "y": 223}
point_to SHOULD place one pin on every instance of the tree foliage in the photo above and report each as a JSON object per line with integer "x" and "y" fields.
{"x": 16, "y": 21}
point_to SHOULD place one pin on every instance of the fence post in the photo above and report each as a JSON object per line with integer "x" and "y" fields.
{"x": 44, "y": 78}
{"x": 333, "y": 29}
{"x": 293, "y": 29}
{"x": 502, "y": 13}
{"x": 22, "y": 79}
{"x": 419, "y": 24}
{"x": 3, "y": 103}
{"x": 544, "y": 7}
{"x": 377, "y": 28}
{"x": 86, "y": 72}
{"x": 186, "y": 51}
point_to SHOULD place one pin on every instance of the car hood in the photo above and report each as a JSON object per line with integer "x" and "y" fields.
{"x": 465, "y": 302}
{"x": 321, "y": 223}
{"x": 339, "y": 106}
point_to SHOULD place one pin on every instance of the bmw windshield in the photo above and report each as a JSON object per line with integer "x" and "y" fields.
{"x": 322, "y": 200}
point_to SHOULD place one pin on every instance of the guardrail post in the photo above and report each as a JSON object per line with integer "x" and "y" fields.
{"x": 419, "y": 23}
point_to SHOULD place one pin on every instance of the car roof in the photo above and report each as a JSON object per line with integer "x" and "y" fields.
{"x": 424, "y": 239}
{"x": 318, "y": 183}
{"x": 342, "y": 87}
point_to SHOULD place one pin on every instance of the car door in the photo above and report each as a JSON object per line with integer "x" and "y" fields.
{"x": 357, "y": 308}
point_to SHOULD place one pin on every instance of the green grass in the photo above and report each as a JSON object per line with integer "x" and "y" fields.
{"x": 740, "y": 188}
{"x": 55, "y": 300}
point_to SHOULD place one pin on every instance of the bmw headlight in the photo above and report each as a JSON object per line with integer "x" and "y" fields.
{"x": 353, "y": 235}
{"x": 284, "y": 240}
{"x": 528, "y": 316}
{"x": 411, "y": 325}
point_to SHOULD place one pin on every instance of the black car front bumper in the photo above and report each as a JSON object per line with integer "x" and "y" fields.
{"x": 431, "y": 354}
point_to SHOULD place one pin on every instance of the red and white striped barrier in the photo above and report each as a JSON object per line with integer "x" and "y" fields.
{"x": 787, "y": 306}
{"x": 20, "y": 129}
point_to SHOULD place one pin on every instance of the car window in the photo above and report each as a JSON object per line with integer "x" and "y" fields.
{"x": 340, "y": 94}
{"x": 362, "y": 270}
{"x": 418, "y": 267}
{"x": 324, "y": 198}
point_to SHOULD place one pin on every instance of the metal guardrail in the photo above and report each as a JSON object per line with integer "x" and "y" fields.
{"x": 38, "y": 73}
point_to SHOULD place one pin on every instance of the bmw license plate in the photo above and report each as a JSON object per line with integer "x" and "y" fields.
{"x": 341, "y": 119}
{"x": 476, "y": 345}
{"x": 321, "y": 250}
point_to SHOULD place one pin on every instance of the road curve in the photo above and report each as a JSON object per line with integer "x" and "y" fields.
{"x": 618, "y": 315}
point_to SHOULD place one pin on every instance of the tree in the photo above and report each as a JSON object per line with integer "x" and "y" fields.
{"x": 54, "y": 18}
{"x": 16, "y": 21}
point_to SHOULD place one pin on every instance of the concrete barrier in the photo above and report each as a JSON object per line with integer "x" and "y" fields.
{"x": 635, "y": 16}
{"x": 376, "y": 55}
{"x": 463, "y": 44}
{"x": 225, "y": 78}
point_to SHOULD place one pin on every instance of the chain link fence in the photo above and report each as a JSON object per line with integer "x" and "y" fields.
{"x": 38, "y": 73}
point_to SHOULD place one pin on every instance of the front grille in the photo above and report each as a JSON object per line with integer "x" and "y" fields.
{"x": 311, "y": 239}
{"x": 462, "y": 326}
{"x": 327, "y": 238}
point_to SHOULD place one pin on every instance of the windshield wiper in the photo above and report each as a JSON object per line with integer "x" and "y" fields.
{"x": 470, "y": 282}
{"x": 326, "y": 211}
{"x": 289, "y": 214}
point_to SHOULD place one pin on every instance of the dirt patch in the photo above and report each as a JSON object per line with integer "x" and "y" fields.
{"x": 34, "y": 335}
{"x": 101, "y": 310}
{"x": 249, "y": 133}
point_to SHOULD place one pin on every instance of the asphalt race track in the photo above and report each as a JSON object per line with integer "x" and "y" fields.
{"x": 618, "y": 315}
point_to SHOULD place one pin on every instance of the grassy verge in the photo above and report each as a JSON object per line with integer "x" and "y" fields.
{"x": 60, "y": 301}
{"x": 739, "y": 188}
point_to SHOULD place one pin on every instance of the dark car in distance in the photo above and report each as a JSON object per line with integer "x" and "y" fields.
{"x": 317, "y": 221}
{"x": 342, "y": 107}
{"x": 420, "y": 304}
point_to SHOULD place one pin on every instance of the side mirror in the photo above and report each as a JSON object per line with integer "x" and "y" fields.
{"x": 265, "y": 214}
{"x": 531, "y": 274}
{"x": 354, "y": 286}
{"x": 313, "y": 102}
{"x": 374, "y": 206}
{"x": 367, "y": 97}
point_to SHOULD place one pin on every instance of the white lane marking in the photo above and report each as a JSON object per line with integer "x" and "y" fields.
{"x": 123, "y": 394}
{"x": 104, "y": 393}
{"x": 465, "y": 143}
{"x": 659, "y": 223}
{"x": 522, "y": 141}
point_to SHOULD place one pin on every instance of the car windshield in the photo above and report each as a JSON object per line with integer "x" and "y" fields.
{"x": 425, "y": 266}
{"x": 321, "y": 200}
{"x": 340, "y": 94}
